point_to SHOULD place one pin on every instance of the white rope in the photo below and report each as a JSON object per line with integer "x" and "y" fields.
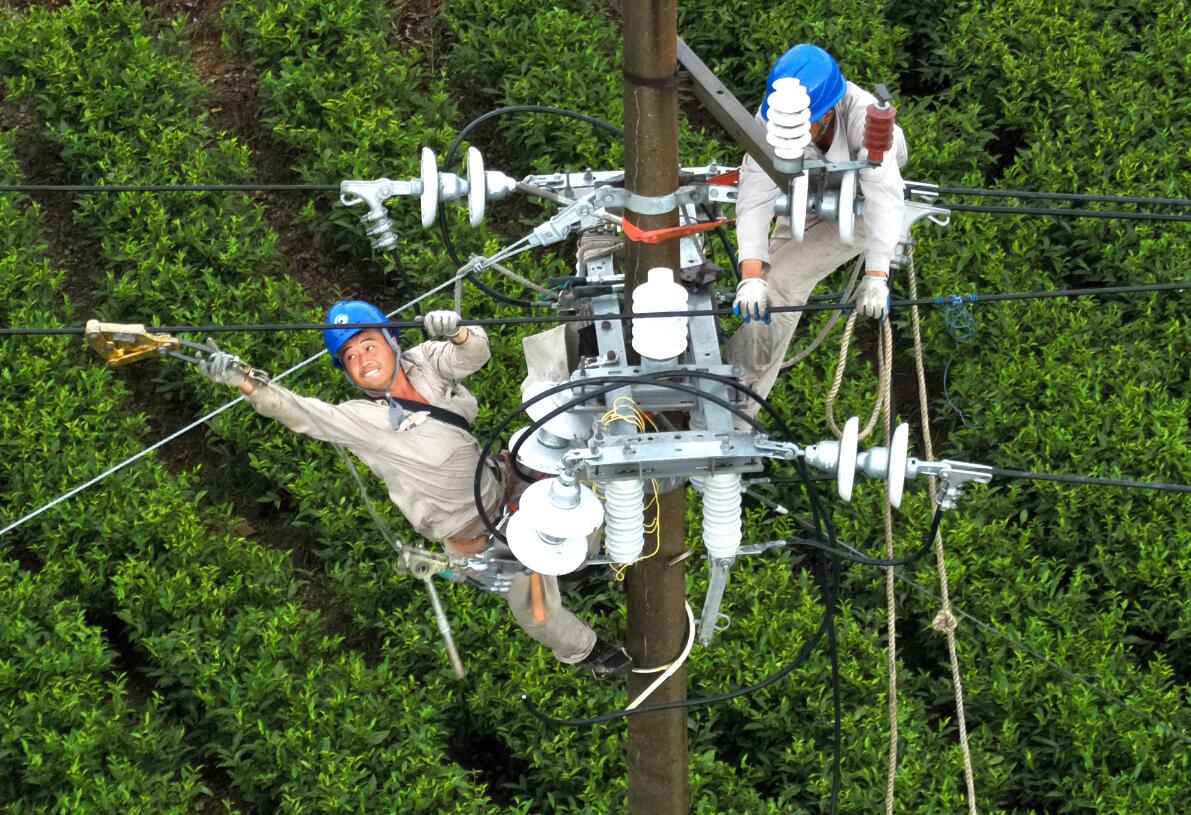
{"x": 884, "y": 400}
{"x": 883, "y": 407}
{"x": 674, "y": 666}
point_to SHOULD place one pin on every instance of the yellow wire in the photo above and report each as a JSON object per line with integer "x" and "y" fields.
{"x": 654, "y": 527}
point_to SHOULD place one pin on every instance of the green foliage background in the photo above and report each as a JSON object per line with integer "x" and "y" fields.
{"x": 219, "y": 628}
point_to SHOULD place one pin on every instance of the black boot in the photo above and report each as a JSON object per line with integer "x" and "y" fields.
{"x": 607, "y": 660}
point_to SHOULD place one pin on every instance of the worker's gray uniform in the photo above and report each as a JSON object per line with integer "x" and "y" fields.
{"x": 429, "y": 466}
{"x": 794, "y": 268}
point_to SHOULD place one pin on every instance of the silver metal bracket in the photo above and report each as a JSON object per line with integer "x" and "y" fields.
{"x": 952, "y": 476}
{"x": 665, "y": 455}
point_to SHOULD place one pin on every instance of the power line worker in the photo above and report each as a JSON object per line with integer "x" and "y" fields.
{"x": 780, "y": 271}
{"x": 413, "y": 432}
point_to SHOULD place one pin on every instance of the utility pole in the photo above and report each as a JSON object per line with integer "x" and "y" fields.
{"x": 657, "y": 742}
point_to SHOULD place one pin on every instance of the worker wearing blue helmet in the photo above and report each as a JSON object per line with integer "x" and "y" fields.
{"x": 822, "y": 116}
{"x": 413, "y": 430}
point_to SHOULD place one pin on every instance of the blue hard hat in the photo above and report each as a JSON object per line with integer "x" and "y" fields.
{"x": 816, "y": 70}
{"x": 346, "y": 312}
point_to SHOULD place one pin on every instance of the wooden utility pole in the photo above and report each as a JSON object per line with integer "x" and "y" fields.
{"x": 657, "y": 742}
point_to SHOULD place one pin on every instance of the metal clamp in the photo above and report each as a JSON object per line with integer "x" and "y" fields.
{"x": 121, "y": 343}
{"x": 952, "y": 476}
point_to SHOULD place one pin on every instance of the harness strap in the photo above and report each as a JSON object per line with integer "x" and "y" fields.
{"x": 442, "y": 414}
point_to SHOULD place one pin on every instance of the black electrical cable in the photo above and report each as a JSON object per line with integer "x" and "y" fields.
{"x": 444, "y": 229}
{"x": 843, "y": 554}
{"x": 89, "y": 188}
{"x": 1049, "y": 196}
{"x": 1092, "y": 480}
{"x": 1066, "y": 213}
{"x": 625, "y": 316}
{"x": 826, "y": 594}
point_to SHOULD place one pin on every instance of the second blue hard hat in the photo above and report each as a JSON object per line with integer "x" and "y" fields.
{"x": 346, "y": 312}
{"x": 818, "y": 72}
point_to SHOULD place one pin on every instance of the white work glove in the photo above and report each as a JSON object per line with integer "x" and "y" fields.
{"x": 441, "y": 323}
{"x": 752, "y": 299}
{"x": 223, "y": 368}
{"x": 788, "y": 125}
{"x": 872, "y": 297}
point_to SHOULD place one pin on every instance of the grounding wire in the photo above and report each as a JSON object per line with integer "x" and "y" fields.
{"x": 940, "y": 300}
{"x": 203, "y": 420}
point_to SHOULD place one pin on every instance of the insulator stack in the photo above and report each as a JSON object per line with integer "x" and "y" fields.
{"x": 624, "y": 518}
{"x": 878, "y": 130}
{"x": 721, "y": 515}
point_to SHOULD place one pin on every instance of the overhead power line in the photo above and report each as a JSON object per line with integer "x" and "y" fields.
{"x": 940, "y": 300}
{"x": 114, "y": 188}
{"x": 1059, "y": 212}
{"x": 1050, "y": 196}
{"x": 1090, "y": 480}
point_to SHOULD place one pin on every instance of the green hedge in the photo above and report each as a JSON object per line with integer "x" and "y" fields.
{"x": 1013, "y": 94}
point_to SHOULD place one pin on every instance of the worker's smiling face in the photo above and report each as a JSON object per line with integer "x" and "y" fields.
{"x": 368, "y": 360}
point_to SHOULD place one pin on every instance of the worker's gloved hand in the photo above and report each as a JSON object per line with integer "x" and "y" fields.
{"x": 752, "y": 299}
{"x": 872, "y": 297}
{"x": 441, "y": 323}
{"x": 223, "y": 368}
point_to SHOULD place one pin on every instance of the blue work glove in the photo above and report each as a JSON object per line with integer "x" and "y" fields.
{"x": 752, "y": 299}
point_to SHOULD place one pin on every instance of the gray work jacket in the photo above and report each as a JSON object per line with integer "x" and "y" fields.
{"x": 428, "y": 466}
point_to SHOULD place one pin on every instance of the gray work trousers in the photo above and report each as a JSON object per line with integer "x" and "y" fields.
{"x": 561, "y": 631}
{"x": 796, "y": 267}
{"x": 569, "y": 638}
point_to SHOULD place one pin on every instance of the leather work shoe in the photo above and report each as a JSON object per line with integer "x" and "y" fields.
{"x": 607, "y": 660}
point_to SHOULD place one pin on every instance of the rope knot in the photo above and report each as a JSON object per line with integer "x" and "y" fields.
{"x": 944, "y": 621}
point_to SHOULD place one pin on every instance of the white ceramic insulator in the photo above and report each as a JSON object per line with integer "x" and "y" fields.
{"x": 721, "y": 515}
{"x": 659, "y": 337}
{"x": 624, "y": 520}
{"x": 788, "y": 127}
{"x": 789, "y": 96}
{"x": 788, "y": 147}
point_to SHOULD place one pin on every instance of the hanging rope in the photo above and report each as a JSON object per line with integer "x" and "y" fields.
{"x": 845, "y": 296}
{"x": 884, "y": 402}
{"x": 883, "y": 407}
{"x": 884, "y": 376}
{"x": 945, "y": 620}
